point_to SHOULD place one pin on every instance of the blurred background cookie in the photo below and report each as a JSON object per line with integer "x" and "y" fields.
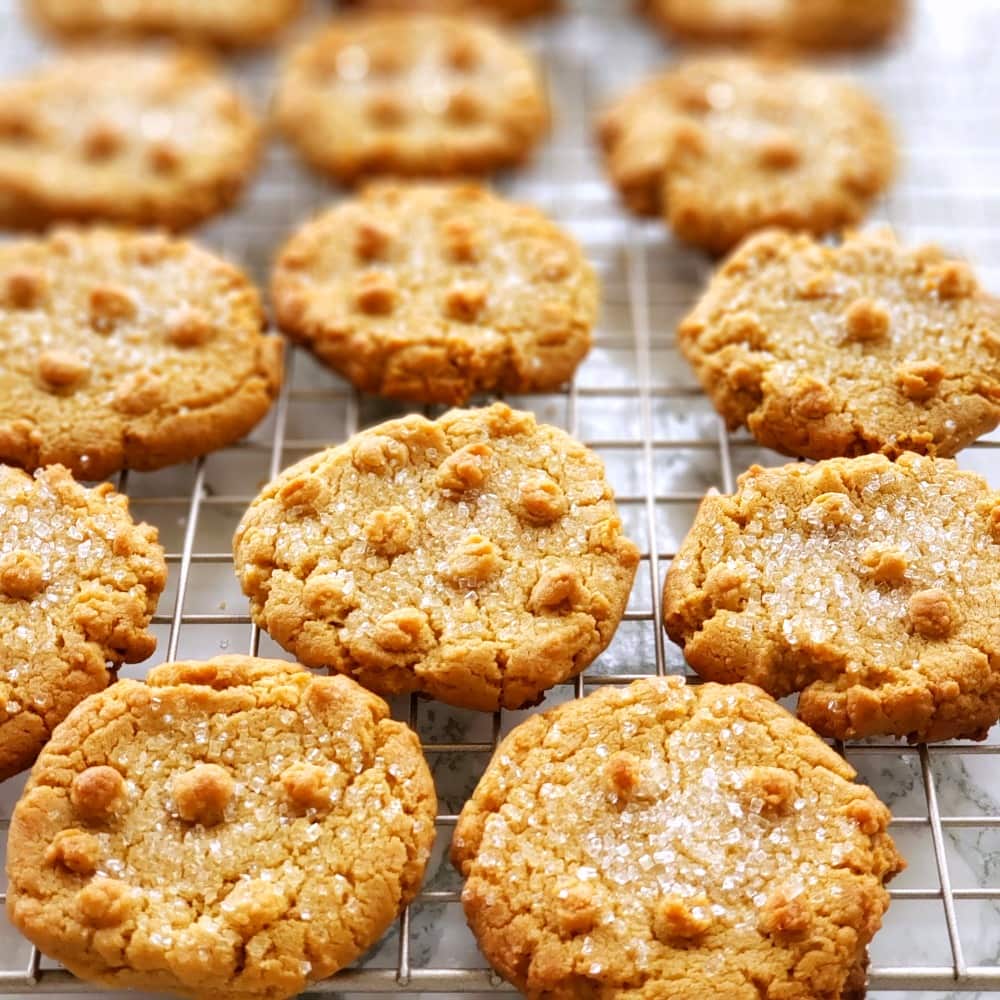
{"x": 722, "y": 146}
{"x": 494, "y": 8}
{"x": 411, "y": 95}
{"x": 436, "y": 292}
{"x": 153, "y": 137}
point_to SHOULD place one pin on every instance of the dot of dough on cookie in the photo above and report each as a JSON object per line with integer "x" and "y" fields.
{"x": 203, "y": 794}
{"x": 21, "y": 575}
{"x": 97, "y": 792}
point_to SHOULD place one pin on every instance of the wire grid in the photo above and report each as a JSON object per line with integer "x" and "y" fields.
{"x": 636, "y": 403}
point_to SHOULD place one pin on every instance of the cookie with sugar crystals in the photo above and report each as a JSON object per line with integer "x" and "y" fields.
{"x": 867, "y": 585}
{"x": 664, "y": 840}
{"x": 235, "y": 828}
{"x": 127, "y": 350}
{"x": 478, "y": 558}
{"x": 436, "y": 292}
{"x": 417, "y": 95}
{"x": 721, "y": 146}
{"x": 823, "y": 351}
{"x": 146, "y": 137}
{"x": 221, "y": 22}
{"x": 79, "y": 582}
{"x": 490, "y": 8}
{"x": 815, "y": 24}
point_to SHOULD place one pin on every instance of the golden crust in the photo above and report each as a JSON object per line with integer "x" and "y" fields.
{"x": 724, "y": 146}
{"x": 478, "y": 558}
{"x": 669, "y": 840}
{"x": 834, "y": 351}
{"x": 147, "y": 138}
{"x": 233, "y": 828}
{"x": 866, "y": 585}
{"x": 436, "y": 293}
{"x": 417, "y": 95}
{"x": 160, "y": 353}
{"x": 79, "y": 583}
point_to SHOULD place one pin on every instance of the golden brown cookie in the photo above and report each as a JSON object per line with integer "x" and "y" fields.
{"x": 826, "y": 351}
{"x": 237, "y": 828}
{"x": 868, "y": 585}
{"x": 724, "y": 146}
{"x": 79, "y": 582}
{"x": 662, "y": 840}
{"x": 411, "y": 95}
{"x": 822, "y": 24}
{"x": 488, "y": 8}
{"x": 478, "y": 558}
{"x": 436, "y": 292}
{"x": 146, "y": 137}
{"x": 124, "y": 349}
{"x": 220, "y": 22}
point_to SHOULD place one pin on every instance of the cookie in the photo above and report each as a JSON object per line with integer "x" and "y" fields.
{"x": 661, "y": 840}
{"x": 822, "y": 24}
{"x": 865, "y": 584}
{"x": 79, "y": 582}
{"x": 141, "y": 137}
{"x": 478, "y": 558}
{"x": 237, "y": 828}
{"x": 724, "y": 146}
{"x": 826, "y": 351}
{"x": 127, "y": 350}
{"x": 228, "y": 23}
{"x": 435, "y": 293}
{"x": 489, "y": 8}
{"x": 411, "y": 95}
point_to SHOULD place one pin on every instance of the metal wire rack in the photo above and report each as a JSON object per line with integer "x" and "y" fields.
{"x": 636, "y": 403}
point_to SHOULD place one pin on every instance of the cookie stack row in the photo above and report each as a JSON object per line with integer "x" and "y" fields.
{"x": 655, "y": 837}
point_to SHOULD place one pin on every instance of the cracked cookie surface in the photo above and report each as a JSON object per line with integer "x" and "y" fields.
{"x": 436, "y": 292}
{"x": 670, "y": 840}
{"x": 418, "y": 95}
{"x": 827, "y": 351}
{"x": 478, "y": 558}
{"x": 79, "y": 582}
{"x": 235, "y": 828}
{"x": 723, "y": 146}
{"x": 222, "y": 22}
{"x": 127, "y": 350}
{"x": 822, "y": 24}
{"x": 869, "y": 586}
{"x": 153, "y": 137}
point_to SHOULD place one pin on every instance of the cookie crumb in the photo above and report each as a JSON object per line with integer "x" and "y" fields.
{"x": 21, "y": 575}
{"x": 389, "y": 532}
{"x": 953, "y": 279}
{"x": 62, "y": 369}
{"x": 676, "y": 919}
{"x": 932, "y": 613}
{"x": 25, "y": 288}
{"x": 784, "y": 915}
{"x": 541, "y": 500}
{"x": 96, "y": 792}
{"x": 76, "y": 850}
{"x": 466, "y": 300}
{"x": 110, "y": 304}
{"x": 559, "y": 588}
{"x": 307, "y": 786}
{"x": 203, "y": 793}
{"x": 779, "y": 150}
{"x": 770, "y": 789}
{"x": 375, "y": 293}
{"x": 575, "y": 908}
{"x": 476, "y": 562}
{"x": 622, "y": 773}
{"x": 189, "y": 327}
{"x": 867, "y": 321}
{"x": 887, "y": 565}
{"x": 403, "y": 631}
{"x": 919, "y": 380}
{"x": 104, "y": 903}
{"x": 465, "y": 469}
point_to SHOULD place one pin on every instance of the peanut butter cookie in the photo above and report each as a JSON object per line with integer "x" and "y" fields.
{"x": 435, "y": 293}
{"x": 828, "y": 351}
{"x": 79, "y": 582}
{"x": 237, "y": 828}
{"x": 478, "y": 558}
{"x": 868, "y": 585}
{"x": 664, "y": 841}
{"x": 221, "y": 22}
{"x": 723, "y": 146}
{"x": 822, "y": 24}
{"x": 491, "y": 8}
{"x": 411, "y": 95}
{"x": 126, "y": 350}
{"x": 144, "y": 137}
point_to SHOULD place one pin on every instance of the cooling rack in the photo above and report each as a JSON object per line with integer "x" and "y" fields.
{"x": 636, "y": 403}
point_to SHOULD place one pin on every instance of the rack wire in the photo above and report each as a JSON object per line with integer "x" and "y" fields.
{"x": 636, "y": 403}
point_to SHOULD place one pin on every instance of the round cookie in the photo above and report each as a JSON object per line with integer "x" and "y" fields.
{"x": 222, "y": 22}
{"x": 724, "y": 146}
{"x": 411, "y": 94}
{"x": 124, "y": 349}
{"x": 822, "y": 24}
{"x": 867, "y": 585}
{"x": 663, "y": 840}
{"x": 237, "y": 828}
{"x": 490, "y": 8}
{"x": 145, "y": 137}
{"x": 828, "y": 351}
{"x": 79, "y": 582}
{"x": 435, "y": 293}
{"x": 478, "y": 558}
